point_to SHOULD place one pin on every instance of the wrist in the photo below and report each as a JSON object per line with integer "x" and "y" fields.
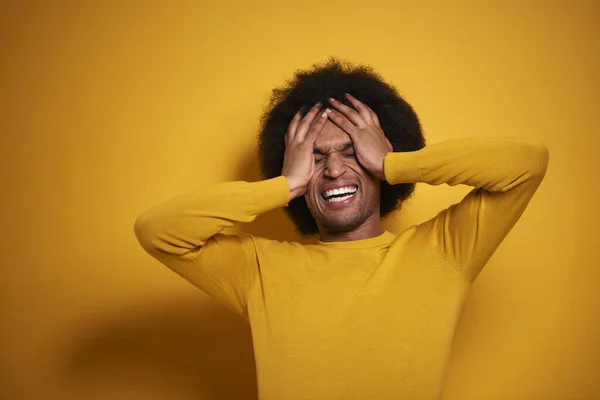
{"x": 296, "y": 189}
{"x": 379, "y": 171}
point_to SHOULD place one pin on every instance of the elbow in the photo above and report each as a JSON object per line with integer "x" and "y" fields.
{"x": 541, "y": 159}
{"x": 143, "y": 231}
{"x": 535, "y": 156}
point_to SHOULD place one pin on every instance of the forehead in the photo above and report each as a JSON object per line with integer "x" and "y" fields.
{"x": 331, "y": 136}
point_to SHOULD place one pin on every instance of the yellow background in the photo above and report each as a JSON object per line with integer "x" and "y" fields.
{"x": 109, "y": 108}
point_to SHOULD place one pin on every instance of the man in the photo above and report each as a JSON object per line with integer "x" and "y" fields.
{"x": 362, "y": 313}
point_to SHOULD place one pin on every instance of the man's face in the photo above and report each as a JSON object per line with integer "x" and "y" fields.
{"x": 341, "y": 194}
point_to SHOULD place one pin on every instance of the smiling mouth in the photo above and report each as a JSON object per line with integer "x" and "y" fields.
{"x": 339, "y": 194}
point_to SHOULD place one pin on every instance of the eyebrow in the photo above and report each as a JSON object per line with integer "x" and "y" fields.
{"x": 345, "y": 146}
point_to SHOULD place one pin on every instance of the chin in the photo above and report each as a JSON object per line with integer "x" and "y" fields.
{"x": 341, "y": 223}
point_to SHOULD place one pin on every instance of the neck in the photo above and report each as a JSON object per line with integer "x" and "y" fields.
{"x": 371, "y": 227}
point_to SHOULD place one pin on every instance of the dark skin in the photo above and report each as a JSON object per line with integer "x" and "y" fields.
{"x": 339, "y": 148}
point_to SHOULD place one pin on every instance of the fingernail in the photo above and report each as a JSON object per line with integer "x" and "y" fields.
{"x": 328, "y": 111}
{"x": 318, "y": 104}
{"x": 331, "y": 99}
{"x": 324, "y": 115}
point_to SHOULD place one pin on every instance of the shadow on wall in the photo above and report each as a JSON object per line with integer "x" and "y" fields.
{"x": 204, "y": 351}
{"x": 173, "y": 350}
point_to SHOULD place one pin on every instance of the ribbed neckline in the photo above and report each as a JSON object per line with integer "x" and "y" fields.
{"x": 385, "y": 238}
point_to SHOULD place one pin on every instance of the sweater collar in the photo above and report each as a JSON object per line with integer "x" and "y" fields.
{"x": 384, "y": 239}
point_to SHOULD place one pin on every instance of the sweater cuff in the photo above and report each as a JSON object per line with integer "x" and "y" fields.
{"x": 402, "y": 167}
{"x": 270, "y": 194}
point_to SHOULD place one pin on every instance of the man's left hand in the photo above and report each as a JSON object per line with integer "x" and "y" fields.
{"x": 362, "y": 125}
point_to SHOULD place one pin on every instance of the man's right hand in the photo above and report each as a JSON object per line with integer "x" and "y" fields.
{"x": 298, "y": 160}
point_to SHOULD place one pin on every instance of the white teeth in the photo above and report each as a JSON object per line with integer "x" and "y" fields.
{"x": 338, "y": 191}
{"x": 338, "y": 199}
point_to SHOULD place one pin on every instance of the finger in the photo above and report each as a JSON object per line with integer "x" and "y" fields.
{"x": 351, "y": 114}
{"x": 342, "y": 121}
{"x": 375, "y": 118}
{"x": 304, "y": 125}
{"x": 291, "y": 132}
{"x": 373, "y": 114}
{"x": 317, "y": 127}
{"x": 364, "y": 105}
{"x": 363, "y": 110}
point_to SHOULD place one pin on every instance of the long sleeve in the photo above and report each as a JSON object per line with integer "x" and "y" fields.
{"x": 505, "y": 174}
{"x": 184, "y": 234}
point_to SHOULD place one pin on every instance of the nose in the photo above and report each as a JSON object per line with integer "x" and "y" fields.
{"x": 334, "y": 166}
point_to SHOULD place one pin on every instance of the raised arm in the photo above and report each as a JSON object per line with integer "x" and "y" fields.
{"x": 184, "y": 234}
{"x": 505, "y": 174}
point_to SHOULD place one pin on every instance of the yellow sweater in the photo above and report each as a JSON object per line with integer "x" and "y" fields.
{"x": 367, "y": 319}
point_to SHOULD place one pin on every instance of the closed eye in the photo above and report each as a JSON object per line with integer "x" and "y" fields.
{"x": 350, "y": 155}
{"x": 319, "y": 160}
